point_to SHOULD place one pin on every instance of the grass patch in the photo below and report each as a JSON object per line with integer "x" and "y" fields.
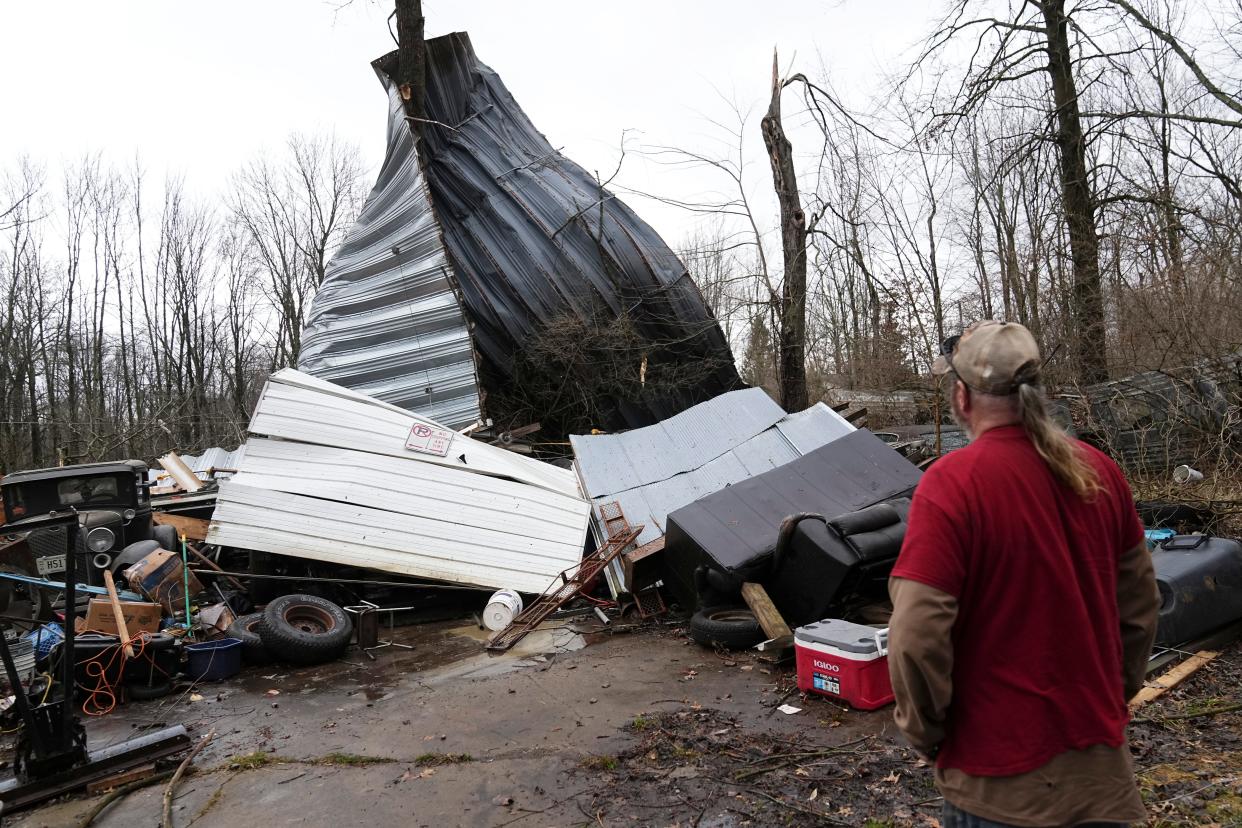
{"x": 353, "y": 760}
{"x": 600, "y": 763}
{"x": 877, "y": 823}
{"x": 640, "y": 722}
{"x": 1160, "y": 775}
{"x": 253, "y": 761}
{"x": 1226, "y": 808}
{"x": 434, "y": 760}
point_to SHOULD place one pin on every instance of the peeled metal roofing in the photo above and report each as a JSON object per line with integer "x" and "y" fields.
{"x": 655, "y": 470}
{"x": 295, "y": 406}
{"x": 386, "y": 320}
{"x": 212, "y": 458}
{"x": 532, "y": 237}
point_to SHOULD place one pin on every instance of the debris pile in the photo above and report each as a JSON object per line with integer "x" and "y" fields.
{"x": 478, "y": 239}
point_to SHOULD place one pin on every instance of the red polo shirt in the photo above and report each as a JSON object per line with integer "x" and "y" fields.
{"x": 1037, "y": 643}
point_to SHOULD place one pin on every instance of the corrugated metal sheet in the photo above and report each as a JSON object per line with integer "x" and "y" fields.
{"x": 654, "y": 470}
{"x": 295, "y": 406}
{"x": 1155, "y": 420}
{"x": 533, "y": 238}
{"x": 680, "y": 443}
{"x": 493, "y": 520}
{"x": 386, "y": 320}
{"x": 215, "y": 458}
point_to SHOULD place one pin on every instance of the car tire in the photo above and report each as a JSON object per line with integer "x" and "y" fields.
{"x": 731, "y": 627}
{"x": 305, "y": 629}
{"x": 133, "y": 553}
{"x": 147, "y": 692}
{"x": 166, "y": 536}
{"x": 246, "y": 630}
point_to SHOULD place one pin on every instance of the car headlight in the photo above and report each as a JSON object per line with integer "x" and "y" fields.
{"x": 100, "y": 539}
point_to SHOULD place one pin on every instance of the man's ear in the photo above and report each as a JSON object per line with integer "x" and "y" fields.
{"x": 963, "y": 397}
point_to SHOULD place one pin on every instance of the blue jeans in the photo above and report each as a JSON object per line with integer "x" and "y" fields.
{"x": 954, "y": 817}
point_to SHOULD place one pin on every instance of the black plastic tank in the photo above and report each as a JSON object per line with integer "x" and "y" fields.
{"x": 1200, "y": 581}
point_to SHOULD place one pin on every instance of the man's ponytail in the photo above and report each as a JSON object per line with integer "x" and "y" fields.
{"x": 1059, "y": 451}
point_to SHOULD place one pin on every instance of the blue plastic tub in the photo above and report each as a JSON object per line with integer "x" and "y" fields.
{"x": 214, "y": 660}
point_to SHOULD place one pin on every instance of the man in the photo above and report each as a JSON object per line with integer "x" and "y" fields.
{"x": 1024, "y": 606}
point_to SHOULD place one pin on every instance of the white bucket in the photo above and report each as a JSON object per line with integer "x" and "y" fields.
{"x": 501, "y": 609}
{"x": 1185, "y": 474}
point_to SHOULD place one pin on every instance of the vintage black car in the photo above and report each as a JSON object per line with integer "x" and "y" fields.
{"x": 114, "y": 510}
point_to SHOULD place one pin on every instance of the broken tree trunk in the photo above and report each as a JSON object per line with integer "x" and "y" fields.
{"x": 792, "y": 335}
{"x": 411, "y": 58}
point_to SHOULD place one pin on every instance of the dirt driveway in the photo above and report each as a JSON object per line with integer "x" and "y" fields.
{"x": 635, "y": 729}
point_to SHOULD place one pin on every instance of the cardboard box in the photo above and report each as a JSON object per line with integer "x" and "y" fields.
{"x": 158, "y": 576}
{"x": 139, "y": 617}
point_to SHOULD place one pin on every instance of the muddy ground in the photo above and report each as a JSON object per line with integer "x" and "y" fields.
{"x": 605, "y": 728}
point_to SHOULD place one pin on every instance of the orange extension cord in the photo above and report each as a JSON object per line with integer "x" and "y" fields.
{"x": 101, "y": 699}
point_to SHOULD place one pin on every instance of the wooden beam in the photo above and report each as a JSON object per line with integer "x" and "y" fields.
{"x": 119, "y": 779}
{"x": 1156, "y": 688}
{"x": 118, "y": 615}
{"x": 194, "y": 529}
{"x": 856, "y": 415}
{"x": 756, "y": 597}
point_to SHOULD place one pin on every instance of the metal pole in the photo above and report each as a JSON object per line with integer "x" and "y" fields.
{"x": 66, "y": 648}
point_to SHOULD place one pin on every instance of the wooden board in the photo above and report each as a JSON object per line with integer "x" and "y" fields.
{"x": 119, "y": 779}
{"x": 194, "y": 529}
{"x": 1156, "y": 688}
{"x": 756, "y": 597}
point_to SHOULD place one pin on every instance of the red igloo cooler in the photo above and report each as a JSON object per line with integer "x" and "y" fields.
{"x": 844, "y": 661}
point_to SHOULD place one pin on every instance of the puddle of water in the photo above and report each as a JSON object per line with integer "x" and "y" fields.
{"x": 440, "y": 652}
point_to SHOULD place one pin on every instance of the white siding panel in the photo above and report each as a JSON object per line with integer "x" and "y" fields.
{"x": 343, "y": 533}
{"x": 295, "y": 406}
{"x": 449, "y": 496}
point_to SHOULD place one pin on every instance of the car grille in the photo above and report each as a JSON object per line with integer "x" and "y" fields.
{"x": 44, "y": 542}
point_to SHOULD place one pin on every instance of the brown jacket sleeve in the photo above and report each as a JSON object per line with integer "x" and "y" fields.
{"x": 1138, "y": 604}
{"x": 920, "y": 660}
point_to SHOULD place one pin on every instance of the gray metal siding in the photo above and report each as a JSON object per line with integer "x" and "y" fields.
{"x": 389, "y": 324}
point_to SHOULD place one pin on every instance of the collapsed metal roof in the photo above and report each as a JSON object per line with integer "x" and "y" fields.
{"x": 655, "y": 470}
{"x": 524, "y": 236}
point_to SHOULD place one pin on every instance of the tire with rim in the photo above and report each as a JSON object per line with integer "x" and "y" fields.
{"x": 246, "y": 630}
{"x": 166, "y": 536}
{"x": 734, "y": 628}
{"x": 305, "y": 629}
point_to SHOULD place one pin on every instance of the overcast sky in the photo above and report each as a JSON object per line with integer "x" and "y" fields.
{"x": 199, "y": 88}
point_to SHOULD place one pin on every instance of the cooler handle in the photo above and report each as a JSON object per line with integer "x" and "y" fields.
{"x": 881, "y": 642}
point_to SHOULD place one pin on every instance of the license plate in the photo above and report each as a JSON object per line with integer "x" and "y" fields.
{"x": 50, "y": 564}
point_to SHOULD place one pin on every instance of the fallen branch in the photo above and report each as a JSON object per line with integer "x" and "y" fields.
{"x": 117, "y": 793}
{"x": 176, "y": 777}
{"x": 1181, "y": 717}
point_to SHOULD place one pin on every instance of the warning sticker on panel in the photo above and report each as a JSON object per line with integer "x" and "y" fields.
{"x": 827, "y": 684}
{"x": 429, "y": 440}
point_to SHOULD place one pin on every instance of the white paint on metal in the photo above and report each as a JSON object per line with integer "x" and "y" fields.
{"x": 333, "y": 481}
{"x": 296, "y": 406}
{"x": 656, "y": 470}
